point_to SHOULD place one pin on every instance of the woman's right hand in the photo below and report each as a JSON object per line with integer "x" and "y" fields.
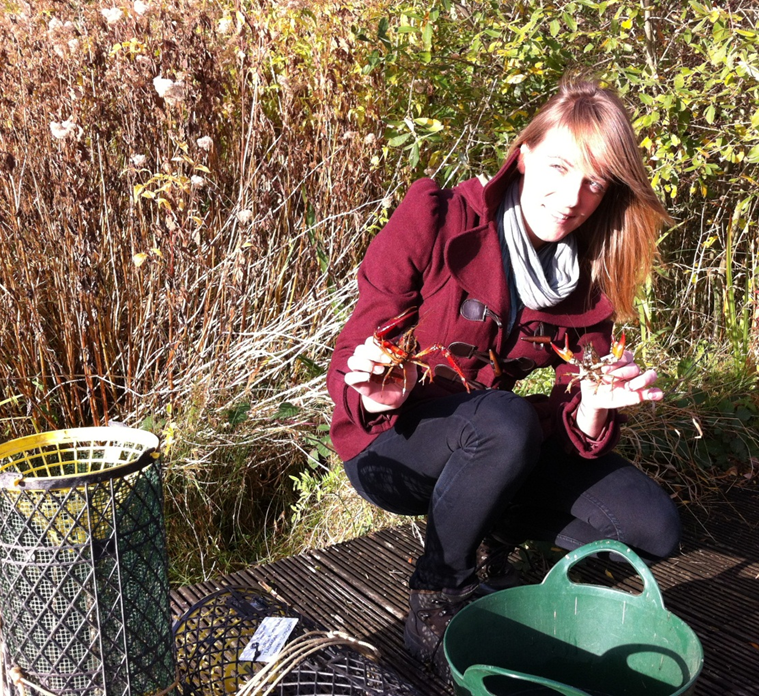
{"x": 367, "y": 366}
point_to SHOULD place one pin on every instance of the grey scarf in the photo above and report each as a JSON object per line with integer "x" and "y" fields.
{"x": 543, "y": 278}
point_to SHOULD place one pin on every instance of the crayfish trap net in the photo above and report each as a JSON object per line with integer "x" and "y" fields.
{"x": 214, "y": 635}
{"x": 84, "y": 593}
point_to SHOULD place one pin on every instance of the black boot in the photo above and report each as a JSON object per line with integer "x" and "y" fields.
{"x": 431, "y": 612}
{"x": 495, "y": 571}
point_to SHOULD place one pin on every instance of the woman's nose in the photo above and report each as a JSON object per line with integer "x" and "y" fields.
{"x": 571, "y": 190}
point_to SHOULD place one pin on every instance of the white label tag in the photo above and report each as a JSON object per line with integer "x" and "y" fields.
{"x": 269, "y": 639}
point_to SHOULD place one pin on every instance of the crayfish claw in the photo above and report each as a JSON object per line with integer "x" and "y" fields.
{"x": 564, "y": 353}
{"x": 618, "y": 347}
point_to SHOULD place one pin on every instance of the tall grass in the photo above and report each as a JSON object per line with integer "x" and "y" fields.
{"x": 184, "y": 262}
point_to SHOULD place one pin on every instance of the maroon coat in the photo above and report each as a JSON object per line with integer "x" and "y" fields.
{"x": 440, "y": 252}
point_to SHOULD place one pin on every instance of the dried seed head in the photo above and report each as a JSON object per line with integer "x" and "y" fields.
{"x": 63, "y": 129}
{"x": 172, "y": 92}
{"x": 112, "y": 15}
{"x": 205, "y": 143}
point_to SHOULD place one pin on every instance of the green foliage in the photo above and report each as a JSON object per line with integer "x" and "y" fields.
{"x": 321, "y": 446}
{"x": 705, "y": 432}
{"x": 328, "y": 510}
{"x": 463, "y": 81}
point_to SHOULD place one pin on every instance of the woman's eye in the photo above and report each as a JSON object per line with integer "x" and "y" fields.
{"x": 559, "y": 167}
{"x": 597, "y": 187}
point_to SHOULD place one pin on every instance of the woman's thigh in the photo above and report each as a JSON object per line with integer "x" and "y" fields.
{"x": 449, "y": 446}
{"x": 609, "y": 493}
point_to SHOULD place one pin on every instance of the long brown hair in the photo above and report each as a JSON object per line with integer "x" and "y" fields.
{"x": 618, "y": 242}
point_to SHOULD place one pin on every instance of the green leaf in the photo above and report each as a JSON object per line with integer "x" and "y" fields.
{"x": 238, "y": 413}
{"x": 753, "y": 155}
{"x": 413, "y": 158}
{"x": 286, "y": 410}
{"x": 710, "y": 114}
{"x": 430, "y": 124}
{"x": 313, "y": 368}
{"x": 427, "y": 37}
{"x": 743, "y": 414}
{"x": 569, "y": 20}
{"x": 398, "y": 140}
{"x": 384, "y": 24}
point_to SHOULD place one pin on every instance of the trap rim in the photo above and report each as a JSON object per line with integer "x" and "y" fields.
{"x": 16, "y": 480}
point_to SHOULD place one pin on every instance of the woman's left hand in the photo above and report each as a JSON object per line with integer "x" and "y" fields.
{"x": 624, "y": 384}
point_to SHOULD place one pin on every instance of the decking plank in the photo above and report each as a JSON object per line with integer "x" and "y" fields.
{"x": 713, "y": 584}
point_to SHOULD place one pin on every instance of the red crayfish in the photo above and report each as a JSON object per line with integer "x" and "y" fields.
{"x": 406, "y": 350}
{"x": 590, "y": 365}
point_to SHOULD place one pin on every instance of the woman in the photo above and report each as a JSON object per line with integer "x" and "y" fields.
{"x": 551, "y": 250}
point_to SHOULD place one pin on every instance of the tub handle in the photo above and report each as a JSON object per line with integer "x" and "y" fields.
{"x": 474, "y": 678}
{"x": 651, "y": 594}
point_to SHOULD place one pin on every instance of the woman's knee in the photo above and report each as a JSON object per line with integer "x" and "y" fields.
{"x": 509, "y": 422}
{"x": 648, "y": 520}
{"x": 659, "y": 535}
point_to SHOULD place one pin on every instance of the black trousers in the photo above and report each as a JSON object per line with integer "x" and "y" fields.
{"x": 475, "y": 463}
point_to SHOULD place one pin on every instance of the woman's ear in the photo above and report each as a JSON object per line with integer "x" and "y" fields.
{"x": 520, "y": 157}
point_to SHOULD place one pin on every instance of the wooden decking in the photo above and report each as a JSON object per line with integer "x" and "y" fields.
{"x": 360, "y": 587}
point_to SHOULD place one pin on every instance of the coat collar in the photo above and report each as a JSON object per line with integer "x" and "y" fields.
{"x": 486, "y": 198}
{"x": 495, "y": 189}
{"x": 475, "y": 261}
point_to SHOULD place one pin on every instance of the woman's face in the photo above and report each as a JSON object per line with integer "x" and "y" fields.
{"x": 557, "y": 194}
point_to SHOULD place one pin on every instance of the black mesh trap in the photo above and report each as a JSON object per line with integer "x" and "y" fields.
{"x": 84, "y": 592}
{"x": 213, "y": 633}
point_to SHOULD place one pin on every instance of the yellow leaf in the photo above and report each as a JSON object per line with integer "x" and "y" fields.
{"x": 157, "y": 251}
{"x": 709, "y": 241}
{"x": 608, "y": 574}
{"x": 201, "y": 168}
{"x": 139, "y": 259}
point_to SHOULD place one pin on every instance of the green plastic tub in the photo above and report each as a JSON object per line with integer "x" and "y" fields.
{"x": 573, "y": 639}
